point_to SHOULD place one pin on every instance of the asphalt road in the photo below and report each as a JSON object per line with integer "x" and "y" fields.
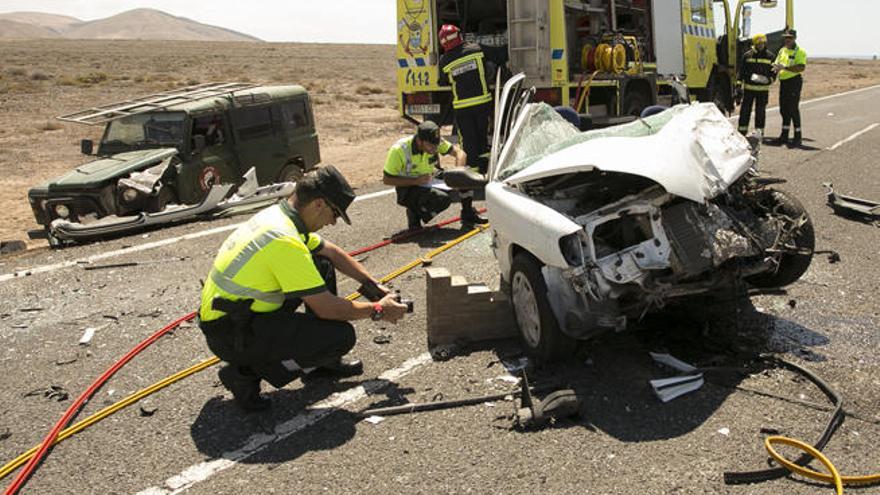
{"x": 626, "y": 441}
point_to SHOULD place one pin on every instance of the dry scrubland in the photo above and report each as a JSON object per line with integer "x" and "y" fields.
{"x": 353, "y": 89}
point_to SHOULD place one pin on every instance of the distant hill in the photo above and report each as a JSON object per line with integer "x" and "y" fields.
{"x": 137, "y": 24}
{"x": 55, "y": 22}
{"x": 20, "y": 30}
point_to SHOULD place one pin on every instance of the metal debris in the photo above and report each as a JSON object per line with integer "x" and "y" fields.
{"x": 147, "y": 411}
{"x": 87, "y": 336}
{"x": 851, "y": 205}
{"x": 66, "y": 360}
{"x": 31, "y": 310}
{"x": 382, "y": 339}
{"x": 54, "y": 392}
{"x": 374, "y": 419}
{"x": 688, "y": 381}
{"x": 534, "y": 413}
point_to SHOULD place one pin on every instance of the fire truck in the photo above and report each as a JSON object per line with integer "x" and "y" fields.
{"x": 607, "y": 59}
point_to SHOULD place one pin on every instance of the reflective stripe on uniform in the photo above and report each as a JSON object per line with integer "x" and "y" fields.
{"x": 757, "y": 87}
{"x": 407, "y": 155}
{"x": 477, "y": 60}
{"x": 228, "y": 285}
{"x": 759, "y": 61}
{"x": 250, "y": 249}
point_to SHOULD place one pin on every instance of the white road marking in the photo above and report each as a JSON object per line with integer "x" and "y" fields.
{"x": 844, "y": 141}
{"x": 144, "y": 247}
{"x": 821, "y": 98}
{"x": 260, "y": 441}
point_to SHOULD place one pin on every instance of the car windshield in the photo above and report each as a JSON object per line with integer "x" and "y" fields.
{"x": 165, "y": 128}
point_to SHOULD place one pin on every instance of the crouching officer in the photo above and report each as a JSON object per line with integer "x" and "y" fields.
{"x": 410, "y": 167}
{"x": 264, "y": 271}
{"x": 755, "y": 77}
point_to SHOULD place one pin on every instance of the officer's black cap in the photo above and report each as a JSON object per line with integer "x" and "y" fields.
{"x": 791, "y": 33}
{"x": 429, "y": 132}
{"x": 335, "y": 190}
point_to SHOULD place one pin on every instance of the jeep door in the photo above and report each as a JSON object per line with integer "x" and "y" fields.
{"x": 211, "y": 159}
{"x": 259, "y": 141}
{"x": 299, "y": 130}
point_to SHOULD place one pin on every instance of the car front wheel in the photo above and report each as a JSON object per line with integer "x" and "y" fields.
{"x": 538, "y": 330}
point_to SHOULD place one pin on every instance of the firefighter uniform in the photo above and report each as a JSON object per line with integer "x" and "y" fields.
{"x": 422, "y": 203}
{"x": 465, "y": 69}
{"x": 790, "y": 85}
{"x": 755, "y": 77}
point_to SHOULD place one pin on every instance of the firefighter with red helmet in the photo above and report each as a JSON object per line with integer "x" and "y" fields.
{"x": 464, "y": 67}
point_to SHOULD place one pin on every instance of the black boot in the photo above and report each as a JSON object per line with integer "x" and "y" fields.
{"x": 797, "y": 141}
{"x": 782, "y": 139}
{"x": 245, "y": 388}
{"x": 413, "y": 222}
{"x": 341, "y": 368}
{"x": 469, "y": 215}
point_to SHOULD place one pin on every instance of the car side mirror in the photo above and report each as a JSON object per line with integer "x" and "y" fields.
{"x": 86, "y": 146}
{"x": 199, "y": 143}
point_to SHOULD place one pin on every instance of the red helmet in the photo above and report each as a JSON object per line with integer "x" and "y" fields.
{"x": 450, "y": 37}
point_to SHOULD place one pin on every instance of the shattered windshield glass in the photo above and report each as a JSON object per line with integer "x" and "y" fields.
{"x": 161, "y": 128}
{"x": 544, "y": 132}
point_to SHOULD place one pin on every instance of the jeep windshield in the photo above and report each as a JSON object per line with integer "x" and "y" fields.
{"x": 144, "y": 131}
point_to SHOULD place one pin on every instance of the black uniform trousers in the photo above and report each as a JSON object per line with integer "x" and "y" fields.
{"x": 277, "y": 336}
{"x": 423, "y": 203}
{"x": 473, "y": 128}
{"x": 759, "y": 98}
{"x": 789, "y": 102}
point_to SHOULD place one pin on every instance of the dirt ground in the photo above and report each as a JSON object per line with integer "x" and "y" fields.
{"x": 353, "y": 89}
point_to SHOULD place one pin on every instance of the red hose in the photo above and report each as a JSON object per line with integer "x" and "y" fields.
{"x": 74, "y": 408}
{"x": 406, "y": 235}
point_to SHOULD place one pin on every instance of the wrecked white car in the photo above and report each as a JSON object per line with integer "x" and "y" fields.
{"x": 594, "y": 229}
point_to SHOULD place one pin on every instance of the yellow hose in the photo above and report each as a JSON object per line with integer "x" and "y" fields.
{"x": 834, "y": 478}
{"x": 16, "y": 463}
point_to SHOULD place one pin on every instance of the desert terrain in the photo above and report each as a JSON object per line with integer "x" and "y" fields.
{"x": 353, "y": 89}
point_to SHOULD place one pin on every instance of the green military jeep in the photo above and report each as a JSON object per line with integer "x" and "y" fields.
{"x": 173, "y": 147}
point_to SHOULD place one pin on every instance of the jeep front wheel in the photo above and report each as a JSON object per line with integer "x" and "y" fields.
{"x": 290, "y": 173}
{"x": 539, "y": 332}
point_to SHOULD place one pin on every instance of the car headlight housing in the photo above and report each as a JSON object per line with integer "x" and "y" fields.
{"x": 129, "y": 195}
{"x": 572, "y": 249}
{"x": 62, "y": 211}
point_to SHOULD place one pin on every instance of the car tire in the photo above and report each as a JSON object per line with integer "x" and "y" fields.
{"x": 290, "y": 173}
{"x": 791, "y": 265}
{"x": 165, "y": 197}
{"x": 538, "y": 330}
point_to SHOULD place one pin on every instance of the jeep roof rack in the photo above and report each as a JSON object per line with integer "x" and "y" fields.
{"x": 150, "y": 103}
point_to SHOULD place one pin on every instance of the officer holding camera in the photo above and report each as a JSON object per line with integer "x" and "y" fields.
{"x": 264, "y": 271}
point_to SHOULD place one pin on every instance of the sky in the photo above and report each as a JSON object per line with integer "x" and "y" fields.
{"x": 825, "y": 27}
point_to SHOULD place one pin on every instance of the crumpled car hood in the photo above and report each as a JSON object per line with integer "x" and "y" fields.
{"x": 697, "y": 154}
{"x": 118, "y": 165}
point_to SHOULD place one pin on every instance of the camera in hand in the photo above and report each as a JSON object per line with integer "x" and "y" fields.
{"x": 373, "y": 293}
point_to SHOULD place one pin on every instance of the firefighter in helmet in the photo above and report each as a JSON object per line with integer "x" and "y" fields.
{"x": 753, "y": 84}
{"x": 464, "y": 67}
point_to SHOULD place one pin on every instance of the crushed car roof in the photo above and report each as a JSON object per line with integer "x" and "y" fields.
{"x": 692, "y": 151}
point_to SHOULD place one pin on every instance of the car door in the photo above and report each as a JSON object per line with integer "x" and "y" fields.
{"x": 214, "y": 163}
{"x": 258, "y": 141}
{"x": 506, "y": 111}
{"x": 300, "y": 133}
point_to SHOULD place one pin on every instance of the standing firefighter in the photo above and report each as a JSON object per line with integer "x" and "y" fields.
{"x": 790, "y": 64}
{"x": 264, "y": 271}
{"x": 755, "y": 76}
{"x": 463, "y": 66}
